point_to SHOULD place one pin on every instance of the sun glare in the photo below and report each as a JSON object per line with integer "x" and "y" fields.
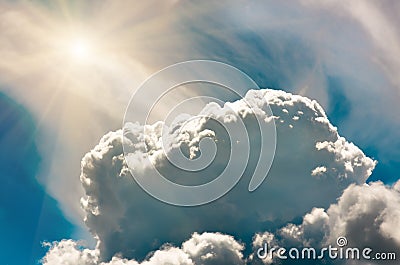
{"x": 80, "y": 49}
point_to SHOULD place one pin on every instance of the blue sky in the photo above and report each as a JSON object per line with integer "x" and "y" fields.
{"x": 69, "y": 69}
{"x": 29, "y": 215}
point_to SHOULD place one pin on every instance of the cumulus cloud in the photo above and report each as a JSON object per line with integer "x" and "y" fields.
{"x": 214, "y": 248}
{"x": 352, "y": 216}
{"x": 69, "y": 252}
{"x": 128, "y": 223}
{"x": 200, "y": 249}
{"x": 367, "y": 215}
{"x": 293, "y": 46}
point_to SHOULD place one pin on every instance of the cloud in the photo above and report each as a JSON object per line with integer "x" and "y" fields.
{"x": 298, "y": 47}
{"x": 128, "y": 222}
{"x": 214, "y": 248}
{"x": 318, "y": 50}
{"x": 373, "y": 17}
{"x": 69, "y": 252}
{"x": 367, "y": 215}
{"x": 200, "y": 249}
{"x": 280, "y": 46}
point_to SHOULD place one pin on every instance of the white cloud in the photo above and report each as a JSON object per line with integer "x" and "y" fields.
{"x": 214, "y": 248}
{"x": 352, "y": 159}
{"x": 69, "y": 252}
{"x": 318, "y": 171}
{"x": 133, "y": 228}
{"x": 200, "y": 249}
{"x": 259, "y": 241}
{"x": 129, "y": 222}
{"x": 367, "y": 215}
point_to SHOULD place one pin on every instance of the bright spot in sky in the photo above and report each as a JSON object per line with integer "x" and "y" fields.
{"x": 80, "y": 49}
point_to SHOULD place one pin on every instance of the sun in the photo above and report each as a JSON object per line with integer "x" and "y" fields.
{"x": 80, "y": 49}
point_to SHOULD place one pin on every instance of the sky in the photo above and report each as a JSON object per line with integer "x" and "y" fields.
{"x": 28, "y": 213}
{"x": 68, "y": 71}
